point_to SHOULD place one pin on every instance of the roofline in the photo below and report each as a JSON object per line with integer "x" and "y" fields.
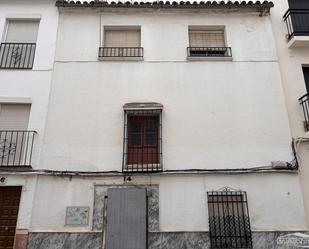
{"x": 261, "y": 7}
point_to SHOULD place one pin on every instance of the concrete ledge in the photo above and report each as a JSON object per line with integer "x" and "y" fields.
{"x": 15, "y": 100}
{"x": 299, "y": 42}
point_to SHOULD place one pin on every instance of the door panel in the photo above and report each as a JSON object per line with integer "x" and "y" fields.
{"x": 126, "y": 218}
{"x": 9, "y": 206}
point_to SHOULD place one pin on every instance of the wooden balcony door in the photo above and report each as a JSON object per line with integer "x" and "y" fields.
{"x": 143, "y": 133}
{"x": 9, "y": 206}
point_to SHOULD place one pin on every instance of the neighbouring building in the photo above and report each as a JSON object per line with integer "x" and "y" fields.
{"x": 28, "y": 41}
{"x": 168, "y": 125}
{"x": 291, "y": 28}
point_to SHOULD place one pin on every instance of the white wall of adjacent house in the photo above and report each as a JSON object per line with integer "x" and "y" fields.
{"x": 29, "y": 87}
{"x": 291, "y": 61}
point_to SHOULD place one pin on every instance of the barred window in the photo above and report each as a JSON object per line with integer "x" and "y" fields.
{"x": 121, "y": 41}
{"x": 142, "y": 137}
{"x": 229, "y": 223}
{"x": 207, "y": 42}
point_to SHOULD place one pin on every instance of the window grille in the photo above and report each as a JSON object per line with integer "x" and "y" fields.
{"x": 229, "y": 223}
{"x": 142, "y": 144}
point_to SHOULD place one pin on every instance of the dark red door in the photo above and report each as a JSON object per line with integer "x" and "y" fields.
{"x": 9, "y": 206}
{"x": 143, "y": 140}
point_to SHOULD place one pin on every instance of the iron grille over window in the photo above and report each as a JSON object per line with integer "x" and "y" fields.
{"x": 121, "y": 52}
{"x": 209, "y": 52}
{"x": 304, "y": 101}
{"x": 142, "y": 145}
{"x": 229, "y": 223}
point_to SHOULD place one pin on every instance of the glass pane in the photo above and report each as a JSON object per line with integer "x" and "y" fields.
{"x": 151, "y": 126}
{"x": 135, "y": 127}
{"x": 136, "y": 139}
{"x": 150, "y": 138}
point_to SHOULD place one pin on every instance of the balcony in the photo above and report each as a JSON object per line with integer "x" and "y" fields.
{"x": 121, "y": 53}
{"x": 209, "y": 52}
{"x": 304, "y": 102}
{"x": 17, "y": 55}
{"x": 16, "y": 148}
{"x": 297, "y": 22}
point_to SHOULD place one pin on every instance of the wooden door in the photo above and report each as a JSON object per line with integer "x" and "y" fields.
{"x": 9, "y": 206}
{"x": 143, "y": 140}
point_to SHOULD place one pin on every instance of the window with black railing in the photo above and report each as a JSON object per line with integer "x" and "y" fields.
{"x": 142, "y": 141}
{"x": 304, "y": 102}
{"x": 209, "y": 52}
{"x": 17, "y": 55}
{"x": 297, "y": 22}
{"x": 229, "y": 223}
{"x": 16, "y": 148}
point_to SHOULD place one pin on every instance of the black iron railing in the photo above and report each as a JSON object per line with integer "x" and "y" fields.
{"x": 142, "y": 143}
{"x": 304, "y": 101}
{"x": 229, "y": 223}
{"x": 17, "y": 55}
{"x": 16, "y": 148}
{"x": 121, "y": 52}
{"x": 209, "y": 52}
{"x": 297, "y": 22}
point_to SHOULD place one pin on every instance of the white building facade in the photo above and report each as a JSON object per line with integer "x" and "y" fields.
{"x": 167, "y": 127}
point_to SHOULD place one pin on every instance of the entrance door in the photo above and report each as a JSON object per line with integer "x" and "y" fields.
{"x": 306, "y": 76}
{"x": 126, "y": 226}
{"x": 9, "y": 205}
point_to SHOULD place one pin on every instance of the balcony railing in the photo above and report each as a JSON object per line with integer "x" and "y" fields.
{"x": 17, "y": 55}
{"x": 16, "y": 148}
{"x": 121, "y": 52}
{"x": 304, "y": 101}
{"x": 297, "y": 22}
{"x": 209, "y": 52}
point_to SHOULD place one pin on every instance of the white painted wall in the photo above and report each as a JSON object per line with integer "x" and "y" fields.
{"x": 291, "y": 61}
{"x": 216, "y": 114}
{"x": 273, "y": 206}
{"x": 32, "y": 85}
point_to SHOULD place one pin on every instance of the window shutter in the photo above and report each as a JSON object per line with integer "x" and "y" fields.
{"x": 22, "y": 31}
{"x": 122, "y": 38}
{"x": 126, "y": 218}
{"x": 14, "y": 116}
{"x": 202, "y": 38}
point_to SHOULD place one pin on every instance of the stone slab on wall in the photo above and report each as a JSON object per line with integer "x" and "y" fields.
{"x": 157, "y": 240}
{"x": 64, "y": 241}
{"x": 153, "y": 206}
